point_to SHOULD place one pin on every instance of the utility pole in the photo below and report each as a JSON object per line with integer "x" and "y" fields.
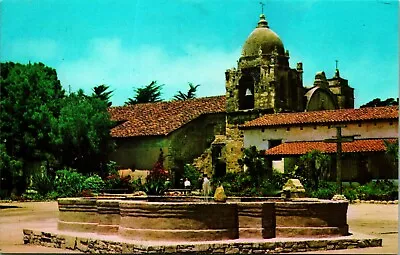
{"x": 339, "y": 139}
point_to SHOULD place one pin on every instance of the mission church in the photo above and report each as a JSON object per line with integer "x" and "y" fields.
{"x": 266, "y": 105}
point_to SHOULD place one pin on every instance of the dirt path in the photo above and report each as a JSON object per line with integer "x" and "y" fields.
{"x": 372, "y": 219}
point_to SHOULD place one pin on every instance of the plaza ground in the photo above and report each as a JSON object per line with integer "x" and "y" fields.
{"x": 377, "y": 220}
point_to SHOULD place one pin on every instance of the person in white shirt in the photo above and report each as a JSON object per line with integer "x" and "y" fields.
{"x": 187, "y": 185}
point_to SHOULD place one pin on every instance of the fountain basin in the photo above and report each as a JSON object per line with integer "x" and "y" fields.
{"x": 304, "y": 217}
{"x": 194, "y": 220}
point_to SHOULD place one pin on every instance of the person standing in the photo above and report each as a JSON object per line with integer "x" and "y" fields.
{"x": 206, "y": 187}
{"x": 187, "y": 185}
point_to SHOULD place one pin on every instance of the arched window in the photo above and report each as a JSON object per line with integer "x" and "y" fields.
{"x": 246, "y": 93}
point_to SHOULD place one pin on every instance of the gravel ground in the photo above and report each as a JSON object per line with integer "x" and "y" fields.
{"x": 373, "y": 219}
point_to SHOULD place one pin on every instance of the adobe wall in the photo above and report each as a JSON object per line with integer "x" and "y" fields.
{"x": 139, "y": 152}
{"x": 192, "y": 139}
{"x": 260, "y": 136}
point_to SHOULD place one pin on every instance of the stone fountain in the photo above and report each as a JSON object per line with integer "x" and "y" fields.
{"x": 189, "y": 224}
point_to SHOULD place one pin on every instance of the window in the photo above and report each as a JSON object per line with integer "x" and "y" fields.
{"x": 274, "y": 143}
{"x": 246, "y": 93}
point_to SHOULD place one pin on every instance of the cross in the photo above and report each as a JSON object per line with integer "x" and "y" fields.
{"x": 336, "y": 63}
{"x": 339, "y": 139}
{"x": 262, "y": 7}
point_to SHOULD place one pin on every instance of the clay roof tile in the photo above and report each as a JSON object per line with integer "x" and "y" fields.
{"x": 163, "y": 117}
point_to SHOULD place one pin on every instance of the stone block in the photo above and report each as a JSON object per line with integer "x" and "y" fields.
{"x": 231, "y": 250}
{"x": 339, "y": 197}
{"x": 27, "y": 231}
{"x": 170, "y": 249}
{"x": 330, "y": 247}
{"x": 127, "y": 248}
{"x": 293, "y": 188}
{"x": 317, "y": 243}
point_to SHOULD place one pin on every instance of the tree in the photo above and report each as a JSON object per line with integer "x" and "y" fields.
{"x": 313, "y": 167}
{"x": 392, "y": 151}
{"x": 30, "y": 96}
{"x": 147, "y": 94}
{"x": 81, "y": 134}
{"x": 189, "y": 95}
{"x": 256, "y": 165}
{"x": 378, "y": 102}
{"x": 101, "y": 93}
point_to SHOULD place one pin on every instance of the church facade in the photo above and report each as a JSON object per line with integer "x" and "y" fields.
{"x": 264, "y": 83}
{"x": 212, "y": 132}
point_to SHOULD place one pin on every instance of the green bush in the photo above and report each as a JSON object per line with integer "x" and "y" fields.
{"x": 68, "y": 183}
{"x": 52, "y": 195}
{"x": 193, "y": 175}
{"x": 31, "y": 194}
{"x": 379, "y": 190}
{"x": 350, "y": 193}
{"x": 326, "y": 190}
{"x": 42, "y": 183}
{"x": 241, "y": 184}
{"x": 93, "y": 183}
{"x": 137, "y": 185}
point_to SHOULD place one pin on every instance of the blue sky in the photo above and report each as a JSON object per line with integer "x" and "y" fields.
{"x": 129, "y": 43}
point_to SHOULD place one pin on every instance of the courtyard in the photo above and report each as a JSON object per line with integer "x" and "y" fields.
{"x": 377, "y": 220}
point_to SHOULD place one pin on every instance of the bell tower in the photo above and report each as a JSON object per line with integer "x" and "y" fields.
{"x": 263, "y": 82}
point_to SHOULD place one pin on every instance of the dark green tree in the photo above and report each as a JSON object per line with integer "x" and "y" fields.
{"x": 392, "y": 152}
{"x": 378, "y": 102}
{"x": 81, "y": 134}
{"x": 190, "y": 94}
{"x": 256, "y": 165}
{"x": 29, "y": 100}
{"x": 101, "y": 93}
{"x": 148, "y": 94}
{"x": 313, "y": 168}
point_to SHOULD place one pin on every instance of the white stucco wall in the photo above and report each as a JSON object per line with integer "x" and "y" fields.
{"x": 259, "y": 137}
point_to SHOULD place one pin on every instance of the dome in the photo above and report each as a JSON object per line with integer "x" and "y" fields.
{"x": 264, "y": 38}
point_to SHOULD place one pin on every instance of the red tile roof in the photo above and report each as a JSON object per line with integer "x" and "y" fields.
{"x": 163, "y": 117}
{"x": 300, "y": 148}
{"x": 326, "y": 117}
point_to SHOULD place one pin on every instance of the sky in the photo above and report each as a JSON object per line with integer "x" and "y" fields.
{"x": 126, "y": 44}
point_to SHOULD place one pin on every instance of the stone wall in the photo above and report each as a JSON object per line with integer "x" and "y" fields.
{"x": 191, "y": 140}
{"x": 100, "y": 245}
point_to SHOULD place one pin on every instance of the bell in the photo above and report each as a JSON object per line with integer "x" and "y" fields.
{"x": 248, "y": 92}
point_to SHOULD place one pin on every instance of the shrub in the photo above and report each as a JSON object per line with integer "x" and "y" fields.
{"x": 68, "y": 183}
{"x": 326, "y": 190}
{"x": 350, "y": 194}
{"x": 114, "y": 180}
{"x": 136, "y": 185}
{"x": 42, "y": 183}
{"x": 52, "y": 195}
{"x": 193, "y": 175}
{"x": 31, "y": 194}
{"x": 93, "y": 183}
{"x": 156, "y": 180}
{"x": 379, "y": 190}
{"x": 241, "y": 184}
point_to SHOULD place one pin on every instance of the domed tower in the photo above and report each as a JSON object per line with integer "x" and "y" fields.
{"x": 262, "y": 83}
{"x": 263, "y": 79}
